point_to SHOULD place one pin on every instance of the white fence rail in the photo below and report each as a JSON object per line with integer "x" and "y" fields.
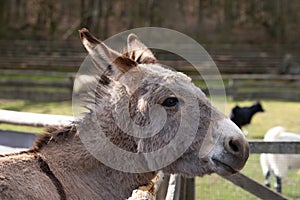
{"x": 33, "y": 119}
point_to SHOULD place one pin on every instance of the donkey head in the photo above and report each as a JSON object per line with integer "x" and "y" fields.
{"x": 144, "y": 108}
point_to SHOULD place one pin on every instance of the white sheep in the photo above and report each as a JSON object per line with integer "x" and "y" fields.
{"x": 279, "y": 164}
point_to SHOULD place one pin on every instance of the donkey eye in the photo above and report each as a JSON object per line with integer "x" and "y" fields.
{"x": 170, "y": 102}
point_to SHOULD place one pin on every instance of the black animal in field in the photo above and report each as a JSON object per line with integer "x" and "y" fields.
{"x": 242, "y": 116}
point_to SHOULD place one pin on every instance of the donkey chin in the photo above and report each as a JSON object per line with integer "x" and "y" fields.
{"x": 224, "y": 151}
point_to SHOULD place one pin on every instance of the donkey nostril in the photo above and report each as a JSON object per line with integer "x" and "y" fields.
{"x": 234, "y": 145}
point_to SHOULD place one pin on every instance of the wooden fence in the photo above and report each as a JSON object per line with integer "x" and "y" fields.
{"x": 265, "y": 86}
{"x": 68, "y": 55}
{"x": 183, "y": 189}
{"x": 45, "y": 70}
{"x": 38, "y": 85}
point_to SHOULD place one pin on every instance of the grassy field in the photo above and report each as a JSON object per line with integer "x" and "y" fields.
{"x": 216, "y": 188}
{"x": 276, "y": 113}
{"x": 208, "y": 187}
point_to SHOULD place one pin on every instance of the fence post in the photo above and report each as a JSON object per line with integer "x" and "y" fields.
{"x": 174, "y": 189}
{"x": 163, "y": 188}
{"x": 190, "y": 189}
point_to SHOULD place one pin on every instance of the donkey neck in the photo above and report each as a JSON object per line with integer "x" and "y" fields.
{"x": 82, "y": 175}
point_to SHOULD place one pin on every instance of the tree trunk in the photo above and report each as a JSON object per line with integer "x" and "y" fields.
{"x": 95, "y": 16}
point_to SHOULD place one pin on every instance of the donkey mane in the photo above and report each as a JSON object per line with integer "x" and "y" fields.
{"x": 52, "y": 134}
{"x": 55, "y": 134}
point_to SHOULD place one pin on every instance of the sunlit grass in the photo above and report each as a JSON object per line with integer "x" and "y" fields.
{"x": 277, "y": 113}
{"x": 212, "y": 187}
{"x": 28, "y": 77}
{"x": 216, "y": 188}
{"x": 60, "y": 108}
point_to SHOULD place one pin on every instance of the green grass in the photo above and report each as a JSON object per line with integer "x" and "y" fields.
{"x": 214, "y": 84}
{"x": 61, "y": 108}
{"x": 210, "y": 187}
{"x": 31, "y": 77}
{"x": 276, "y": 113}
{"x": 216, "y": 188}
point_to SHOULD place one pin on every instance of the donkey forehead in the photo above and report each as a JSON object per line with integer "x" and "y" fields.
{"x": 156, "y": 74}
{"x": 158, "y": 71}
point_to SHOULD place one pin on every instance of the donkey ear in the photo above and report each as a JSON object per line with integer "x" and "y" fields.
{"x": 112, "y": 63}
{"x": 138, "y": 51}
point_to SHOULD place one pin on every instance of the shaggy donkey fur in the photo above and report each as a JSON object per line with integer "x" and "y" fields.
{"x": 60, "y": 166}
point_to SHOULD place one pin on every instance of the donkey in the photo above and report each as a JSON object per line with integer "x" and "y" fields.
{"x": 61, "y": 165}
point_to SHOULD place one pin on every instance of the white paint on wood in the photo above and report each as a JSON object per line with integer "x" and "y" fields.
{"x": 34, "y": 119}
{"x": 7, "y": 150}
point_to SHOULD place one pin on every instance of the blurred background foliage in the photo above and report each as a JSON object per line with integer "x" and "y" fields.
{"x": 209, "y": 21}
